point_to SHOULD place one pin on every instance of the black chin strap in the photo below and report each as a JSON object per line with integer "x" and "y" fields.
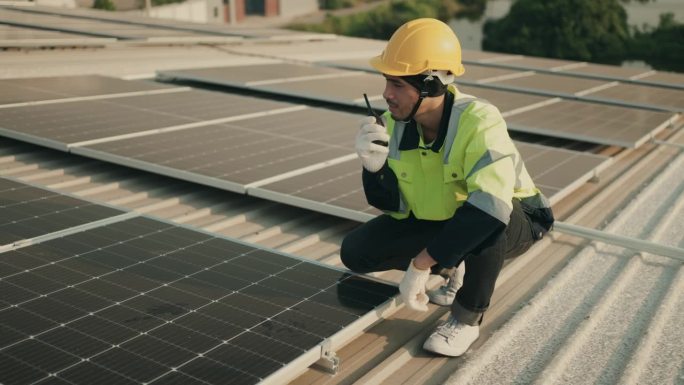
{"x": 423, "y": 94}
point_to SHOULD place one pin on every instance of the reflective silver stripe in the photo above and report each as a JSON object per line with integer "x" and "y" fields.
{"x": 485, "y": 160}
{"x": 518, "y": 170}
{"x": 395, "y": 140}
{"x": 460, "y": 105}
{"x": 394, "y": 153}
{"x": 491, "y": 205}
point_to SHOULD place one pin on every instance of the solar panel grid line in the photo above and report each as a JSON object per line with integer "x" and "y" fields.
{"x": 61, "y": 233}
{"x": 596, "y": 89}
{"x": 29, "y": 138}
{"x": 572, "y": 70}
{"x": 300, "y": 171}
{"x": 533, "y": 91}
{"x": 33, "y": 214}
{"x": 187, "y": 26}
{"x": 530, "y": 107}
{"x": 300, "y": 78}
{"x": 643, "y": 75}
{"x": 565, "y": 67}
{"x": 310, "y": 204}
{"x": 160, "y": 169}
{"x": 666, "y": 124}
{"x": 646, "y": 106}
{"x": 56, "y": 42}
{"x": 568, "y": 88}
{"x": 505, "y": 77}
{"x": 96, "y": 97}
{"x": 496, "y": 59}
{"x": 186, "y": 126}
{"x": 91, "y": 358}
{"x": 577, "y": 183}
{"x": 571, "y": 136}
{"x": 59, "y": 29}
{"x": 359, "y": 324}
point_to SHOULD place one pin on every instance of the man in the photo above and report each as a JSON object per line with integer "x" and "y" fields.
{"x": 450, "y": 181}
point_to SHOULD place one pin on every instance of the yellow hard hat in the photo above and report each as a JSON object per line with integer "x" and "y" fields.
{"x": 418, "y": 46}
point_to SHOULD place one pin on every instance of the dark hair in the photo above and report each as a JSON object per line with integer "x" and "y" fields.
{"x": 433, "y": 87}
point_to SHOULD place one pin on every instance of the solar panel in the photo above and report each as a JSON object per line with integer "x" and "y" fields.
{"x": 553, "y": 85}
{"x": 589, "y": 70}
{"x": 667, "y": 99}
{"x": 595, "y": 123}
{"x": 243, "y": 76}
{"x": 478, "y": 73}
{"x": 632, "y": 95}
{"x": 143, "y": 301}
{"x": 505, "y": 101}
{"x": 473, "y": 72}
{"x": 57, "y": 125}
{"x": 535, "y": 63}
{"x": 60, "y": 125}
{"x": 342, "y": 47}
{"x": 28, "y": 212}
{"x": 337, "y": 190}
{"x": 14, "y": 37}
{"x": 665, "y": 78}
{"x": 57, "y": 87}
{"x": 347, "y": 90}
{"x": 101, "y": 28}
{"x": 301, "y": 81}
{"x": 130, "y": 19}
{"x": 607, "y": 71}
{"x": 476, "y": 56}
{"x": 334, "y": 190}
{"x": 231, "y": 156}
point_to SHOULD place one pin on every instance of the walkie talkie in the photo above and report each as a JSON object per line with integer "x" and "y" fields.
{"x": 378, "y": 120}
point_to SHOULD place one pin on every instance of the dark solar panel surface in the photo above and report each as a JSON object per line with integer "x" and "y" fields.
{"x": 27, "y": 212}
{"x": 86, "y": 26}
{"x": 242, "y": 75}
{"x": 615, "y": 72}
{"x": 668, "y": 99}
{"x": 476, "y": 73}
{"x": 142, "y": 301}
{"x": 590, "y": 122}
{"x": 339, "y": 187}
{"x": 531, "y": 62}
{"x": 347, "y": 90}
{"x": 47, "y": 88}
{"x": 9, "y": 33}
{"x": 222, "y": 29}
{"x": 79, "y": 121}
{"x": 242, "y": 152}
{"x": 557, "y": 171}
{"x": 554, "y": 84}
{"x": 301, "y": 81}
{"x": 669, "y": 78}
{"x": 323, "y": 190}
{"x": 74, "y": 122}
{"x": 503, "y": 100}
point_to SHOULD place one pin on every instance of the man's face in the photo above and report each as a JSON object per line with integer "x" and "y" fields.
{"x": 400, "y": 97}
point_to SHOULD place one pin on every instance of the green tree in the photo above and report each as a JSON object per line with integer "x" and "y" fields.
{"x": 383, "y": 20}
{"x": 590, "y": 30}
{"x": 662, "y": 47}
{"x": 106, "y": 5}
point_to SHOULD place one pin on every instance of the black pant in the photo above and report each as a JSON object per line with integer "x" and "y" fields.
{"x": 385, "y": 243}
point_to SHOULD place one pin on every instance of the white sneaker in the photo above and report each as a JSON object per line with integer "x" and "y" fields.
{"x": 452, "y": 338}
{"x": 446, "y": 294}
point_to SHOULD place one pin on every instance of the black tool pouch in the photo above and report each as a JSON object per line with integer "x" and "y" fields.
{"x": 541, "y": 219}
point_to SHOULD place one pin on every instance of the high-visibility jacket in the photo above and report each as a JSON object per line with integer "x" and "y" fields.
{"x": 472, "y": 162}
